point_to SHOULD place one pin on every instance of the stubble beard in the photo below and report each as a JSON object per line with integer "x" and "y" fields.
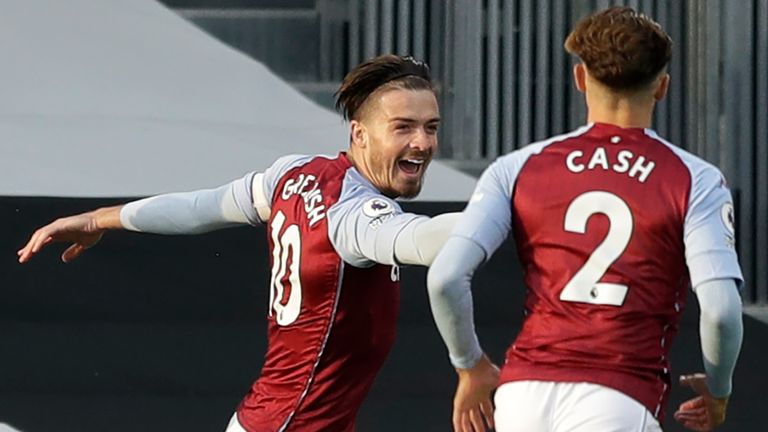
{"x": 412, "y": 190}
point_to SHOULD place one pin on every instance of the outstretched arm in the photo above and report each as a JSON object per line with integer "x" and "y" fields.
{"x": 177, "y": 213}
{"x": 420, "y": 241}
{"x": 188, "y": 212}
{"x": 367, "y": 228}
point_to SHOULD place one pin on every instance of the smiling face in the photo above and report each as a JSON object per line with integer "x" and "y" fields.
{"x": 395, "y": 138}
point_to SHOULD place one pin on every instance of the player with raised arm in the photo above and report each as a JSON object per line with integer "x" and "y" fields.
{"x": 336, "y": 237}
{"x": 612, "y": 225}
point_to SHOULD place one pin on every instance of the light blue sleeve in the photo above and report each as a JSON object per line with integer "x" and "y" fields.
{"x": 481, "y": 229}
{"x": 243, "y": 201}
{"x": 274, "y": 173}
{"x": 487, "y": 219}
{"x": 254, "y": 193}
{"x": 187, "y": 212}
{"x": 709, "y": 231}
{"x": 364, "y": 225}
{"x": 721, "y": 330}
{"x": 448, "y": 282}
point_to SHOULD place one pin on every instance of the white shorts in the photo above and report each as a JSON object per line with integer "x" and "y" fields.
{"x": 546, "y": 406}
{"x": 234, "y": 425}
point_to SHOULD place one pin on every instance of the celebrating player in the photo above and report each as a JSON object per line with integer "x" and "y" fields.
{"x": 612, "y": 225}
{"x": 336, "y": 236}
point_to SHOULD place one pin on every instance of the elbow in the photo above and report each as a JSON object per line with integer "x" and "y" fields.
{"x": 439, "y": 280}
{"x": 724, "y": 316}
{"x": 450, "y": 276}
{"x": 720, "y": 304}
{"x": 436, "y": 282}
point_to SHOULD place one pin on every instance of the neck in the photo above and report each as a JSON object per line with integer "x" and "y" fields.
{"x": 359, "y": 162}
{"x": 623, "y": 109}
{"x": 621, "y": 119}
{"x": 354, "y": 161}
{"x": 620, "y": 111}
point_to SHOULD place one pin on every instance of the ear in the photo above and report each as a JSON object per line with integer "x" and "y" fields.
{"x": 662, "y": 87}
{"x": 358, "y": 134}
{"x": 580, "y": 77}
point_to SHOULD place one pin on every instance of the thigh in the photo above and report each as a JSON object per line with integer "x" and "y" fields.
{"x": 234, "y": 425}
{"x": 524, "y": 406}
{"x": 584, "y": 407}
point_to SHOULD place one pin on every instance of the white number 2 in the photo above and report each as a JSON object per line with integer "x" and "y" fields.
{"x": 585, "y": 285}
{"x": 289, "y": 241}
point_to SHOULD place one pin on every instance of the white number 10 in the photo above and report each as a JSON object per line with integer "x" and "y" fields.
{"x": 290, "y": 240}
{"x": 585, "y": 285}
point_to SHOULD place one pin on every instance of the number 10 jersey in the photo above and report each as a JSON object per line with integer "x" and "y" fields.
{"x": 334, "y": 292}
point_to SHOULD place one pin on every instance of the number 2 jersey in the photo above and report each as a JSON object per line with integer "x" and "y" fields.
{"x": 612, "y": 226}
{"x": 334, "y": 291}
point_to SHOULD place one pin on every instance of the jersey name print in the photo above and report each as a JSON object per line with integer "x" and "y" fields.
{"x": 308, "y": 188}
{"x": 635, "y": 166}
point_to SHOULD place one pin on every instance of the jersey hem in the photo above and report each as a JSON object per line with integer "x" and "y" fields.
{"x": 622, "y": 382}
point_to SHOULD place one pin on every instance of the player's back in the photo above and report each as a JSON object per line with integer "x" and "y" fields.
{"x": 598, "y": 219}
{"x": 331, "y": 324}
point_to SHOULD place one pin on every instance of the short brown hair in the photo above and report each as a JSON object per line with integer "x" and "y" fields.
{"x": 620, "y": 47}
{"x": 378, "y": 72}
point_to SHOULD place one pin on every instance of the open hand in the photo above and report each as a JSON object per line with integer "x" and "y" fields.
{"x": 82, "y": 230}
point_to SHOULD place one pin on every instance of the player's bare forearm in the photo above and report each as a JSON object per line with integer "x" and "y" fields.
{"x": 107, "y": 218}
{"x": 83, "y": 231}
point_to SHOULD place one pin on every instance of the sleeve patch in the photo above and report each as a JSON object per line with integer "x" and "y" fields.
{"x": 377, "y": 207}
{"x": 379, "y": 210}
{"x": 729, "y": 221}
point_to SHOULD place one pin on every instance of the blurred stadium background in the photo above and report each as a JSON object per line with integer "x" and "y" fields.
{"x": 152, "y": 333}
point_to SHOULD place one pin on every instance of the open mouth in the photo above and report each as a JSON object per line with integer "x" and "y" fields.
{"x": 411, "y": 166}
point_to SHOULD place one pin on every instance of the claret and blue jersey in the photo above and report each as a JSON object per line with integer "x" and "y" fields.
{"x": 334, "y": 291}
{"x": 612, "y": 227}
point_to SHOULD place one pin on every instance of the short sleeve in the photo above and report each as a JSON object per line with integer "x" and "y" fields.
{"x": 709, "y": 232}
{"x": 363, "y": 225}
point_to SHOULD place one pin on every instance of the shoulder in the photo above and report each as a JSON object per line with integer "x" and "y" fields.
{"x": 707, "y": 188}
{"x": 292, "y": 159}
{"x": 698, "y": 167}
{"x": 312, "y": 166}
{"x": 361, "y": 204}
{"x": 506, "y": 168}
{"x": 358, "y": 192}
{"x": 519, "y": 156}
{"x": 288, "y": 162}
